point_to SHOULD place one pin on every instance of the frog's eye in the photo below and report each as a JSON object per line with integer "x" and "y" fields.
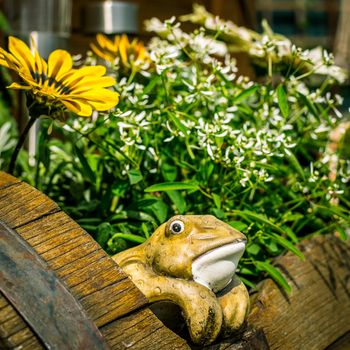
{"x": 177, "y": 227}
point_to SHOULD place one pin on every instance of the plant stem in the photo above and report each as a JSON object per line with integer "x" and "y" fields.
{"x": 20, "y": 143}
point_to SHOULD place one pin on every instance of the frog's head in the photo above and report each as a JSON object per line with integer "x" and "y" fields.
{"x": 196, "y": 247}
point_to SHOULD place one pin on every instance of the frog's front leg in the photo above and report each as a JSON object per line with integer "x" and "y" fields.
{"x": 234, "y": 301}
{"x": 199, "y": 305}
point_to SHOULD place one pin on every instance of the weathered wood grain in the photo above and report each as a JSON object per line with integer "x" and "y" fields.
{"x": 313, "y": 316}
{"x": 247, "y": 339}
{"x": 21, "y": 203}
{"x": 317, "y": 312}
{"x": 342, "y": 343}
{"x": 109, "y": 298}
{"x": 7, "y": 180}
{"x": 141, "y": 331}
{"x": 12, "y": 327}
{"x": 94, "y": 279}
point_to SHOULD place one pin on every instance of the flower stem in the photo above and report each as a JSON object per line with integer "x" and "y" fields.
{"x": 20, "y": 143}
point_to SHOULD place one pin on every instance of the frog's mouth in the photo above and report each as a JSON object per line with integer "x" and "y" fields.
{"x": 216, "y": 268}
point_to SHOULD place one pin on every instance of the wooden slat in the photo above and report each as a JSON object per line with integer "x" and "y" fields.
{"x": 317, "y": 312}
{"x": 11, "y": 323}
{"x": 21, "y": 203}
{"x": 141, "y": 331}
{"x": 247, "y": 339}
{"x": 99, "y": 284}
{"x": 342, "y": 343}
{"x": 7, "y": 180}
{"x": 102, "y": 288}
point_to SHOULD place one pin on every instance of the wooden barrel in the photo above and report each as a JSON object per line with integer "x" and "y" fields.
{"x": 89, "y": 300}
{"x": 106, "y": 295}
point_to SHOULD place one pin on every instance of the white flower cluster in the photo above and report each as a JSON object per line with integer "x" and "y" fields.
{"x": 212, "y": 112}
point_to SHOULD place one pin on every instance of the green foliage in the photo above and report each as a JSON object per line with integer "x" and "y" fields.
{"x": 190, "y": 136}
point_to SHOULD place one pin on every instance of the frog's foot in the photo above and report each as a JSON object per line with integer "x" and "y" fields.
{"x": 234, "y": 302}
{"x": 199, "y": 306}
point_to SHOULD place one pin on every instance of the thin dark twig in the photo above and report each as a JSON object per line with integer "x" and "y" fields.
{"x": 20, "y": 143}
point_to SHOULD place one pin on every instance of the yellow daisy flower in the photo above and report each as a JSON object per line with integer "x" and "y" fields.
{"x": 55, "y": 84}
{"x": 131, "y": 54}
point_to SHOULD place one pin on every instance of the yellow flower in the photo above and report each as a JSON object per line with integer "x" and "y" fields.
{"x": 55, "y": 84}
{"x": 131, "y": 54}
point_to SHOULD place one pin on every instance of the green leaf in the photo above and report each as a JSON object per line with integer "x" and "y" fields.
{"x": 86, "y": 167}
{"x": 342, "y": 233}
{"x": 288, "y": 245}
{"x": 159, "y": 210}
{"x": 169, "y": 172}
{"x": 344, "y": 214}
{"x": 311, "y": 107}
{"x": 238, "y": 225}
{"x": 292, "y": 159}
{"x": 274, "y": 273}
{"x": 131, "y": 214}
{"x": 116, "y": 245}
{"x": 272, "y": 247}
{"x": 245, "y": 94}
{"x": 248, "y": 271}
{"x": 253, "y": 249}
{"x": 177, "y": 122}
{"x": 258, "y": 217}
{"x": 291, "y": 234}
{"x": 129, "y": 237}
{"x": 220, "y": 214}
{"x": 178, "y": 200}
{"x": 135, "y": 176}
{"x": 144, "y": 229}
{"x": 217, "y": 200}
{"x": 144, "y": 203}
{"x": 282, "y": 101}
{"x": 104, "y": 232}
{"x": 247, "y": 282}
{"x": 172, "y": 186}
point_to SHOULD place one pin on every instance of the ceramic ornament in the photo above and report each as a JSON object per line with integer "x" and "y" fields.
{"x": 191, "y": 261}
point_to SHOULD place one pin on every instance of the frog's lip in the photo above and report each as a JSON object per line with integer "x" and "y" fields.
{"x": 234, "y": 245}
{"x": 216, "y": 267}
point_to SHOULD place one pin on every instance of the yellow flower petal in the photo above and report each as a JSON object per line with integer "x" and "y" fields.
{"x": 105, "y": 43}
{"x": 59, "y": 63}
{"x": 7, "y": 60}
{"x": 79, "y": 107}
{"x": 116, "y": 42}
{"x": 103, "y": 54}
{"x": 4, "y": 63}
{"x": 88, "y": 83}
{"x": 40, "y": 64}
{"x": 22, "y": 54}
{"x": 100, "y": 99}
{"x": 17, "y": 86}
{"x": 123, "y": 47}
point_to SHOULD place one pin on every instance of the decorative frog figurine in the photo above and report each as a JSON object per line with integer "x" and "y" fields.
{"x": 191, "y": 261}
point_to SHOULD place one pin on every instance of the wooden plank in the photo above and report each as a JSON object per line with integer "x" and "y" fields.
{"x": 11, "y": 323}
{"x": 342, "y": 343}
{"x": 317, "y": 311}
{"x": 20, "y": 337}
{"x": 46, "y": 303}
{"x": 141, "y": 331}
{"x": 21, "y": 203}
{"x": 102, "y": 288}
{"x": 7, "y": 180}
{"x": 93, "y": 278}
{"x": 247, "y": 339}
